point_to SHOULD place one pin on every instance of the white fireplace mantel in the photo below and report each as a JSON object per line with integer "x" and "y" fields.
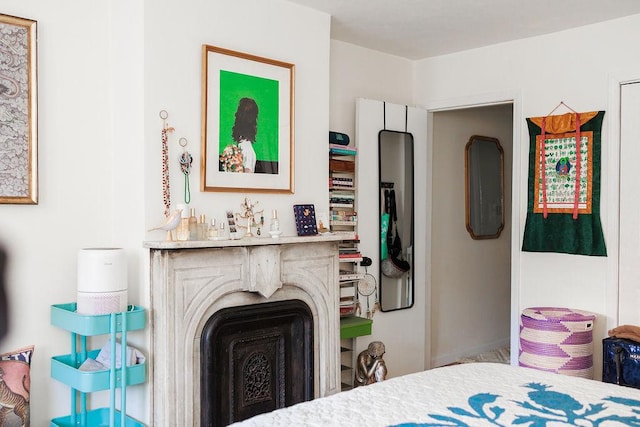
{"x": 250, "y": 241}
{"x": 190, "y": 281}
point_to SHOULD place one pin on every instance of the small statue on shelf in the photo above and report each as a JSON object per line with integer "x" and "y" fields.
{"x": 251, "y": 217}
{"x": 370, "y": 367}
{"x": 170, "y": 223}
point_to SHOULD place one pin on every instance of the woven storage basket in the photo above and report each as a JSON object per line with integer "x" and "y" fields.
{"x": 557, "y": 340}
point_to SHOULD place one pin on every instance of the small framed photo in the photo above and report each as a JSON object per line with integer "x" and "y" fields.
{"x": 305, "y": 216}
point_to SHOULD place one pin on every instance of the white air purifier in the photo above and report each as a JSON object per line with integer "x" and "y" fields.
{"x": 102, "y": 281}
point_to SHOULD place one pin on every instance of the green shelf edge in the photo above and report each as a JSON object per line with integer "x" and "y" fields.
{"x": 354, "y": 326}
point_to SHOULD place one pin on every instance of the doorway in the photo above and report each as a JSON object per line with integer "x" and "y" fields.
{"x": 629, "y": 228}
{"x": 470, "y": 308}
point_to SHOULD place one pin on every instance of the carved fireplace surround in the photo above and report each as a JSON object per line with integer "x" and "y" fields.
{"x": 190, "y": 281}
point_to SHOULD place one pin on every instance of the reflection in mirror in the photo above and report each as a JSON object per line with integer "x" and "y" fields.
{"x": 484, "y": 187}
{"x": 395, "y": 173}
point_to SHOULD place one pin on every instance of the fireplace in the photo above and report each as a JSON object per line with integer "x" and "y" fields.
{"x": 255, "y": 359}
{"x": 193, "y": 282}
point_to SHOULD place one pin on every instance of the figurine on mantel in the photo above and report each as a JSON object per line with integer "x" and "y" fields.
{"x": 170, "y": 223}
{"x": 251, "y": 217}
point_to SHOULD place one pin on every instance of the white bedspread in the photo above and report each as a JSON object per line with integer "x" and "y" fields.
{"x": 474, "y": 394}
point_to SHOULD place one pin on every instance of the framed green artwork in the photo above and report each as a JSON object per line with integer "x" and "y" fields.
{"x": 247, "y": 123}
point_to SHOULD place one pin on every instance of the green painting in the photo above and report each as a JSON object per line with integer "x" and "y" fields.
{"x": 249, "y": 119}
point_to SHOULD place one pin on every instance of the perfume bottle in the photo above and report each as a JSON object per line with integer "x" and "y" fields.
{"x": 203, "y": 228}
{"x": 275, "y": 223}
{"x": 223, "y": 232}
{"x": 193, "y": 225}
{"x": 213, "y": 230}
{"x": 274, "y": 228}
{"x": 182, "y": 232}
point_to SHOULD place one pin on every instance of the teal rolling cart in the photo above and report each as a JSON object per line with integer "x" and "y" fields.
{"x": 65, "y": 368}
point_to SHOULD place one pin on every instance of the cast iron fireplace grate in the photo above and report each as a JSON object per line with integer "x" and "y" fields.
{"x": 255, "y": 359}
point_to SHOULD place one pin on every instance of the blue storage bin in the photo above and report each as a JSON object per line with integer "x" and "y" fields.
{"x": 65, "y": 369}
{"x": 64, "y": 316}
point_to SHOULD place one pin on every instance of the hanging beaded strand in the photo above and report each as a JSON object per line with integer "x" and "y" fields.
{"x": 166, "y": 190}
{"x": 185, "y": 166}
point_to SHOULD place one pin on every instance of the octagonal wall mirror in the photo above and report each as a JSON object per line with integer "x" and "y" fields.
{"x": 395, "y": 175}
{"x": 484, "y": 187}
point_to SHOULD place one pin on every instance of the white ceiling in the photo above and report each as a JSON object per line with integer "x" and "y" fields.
{"x": 417, "y": 29}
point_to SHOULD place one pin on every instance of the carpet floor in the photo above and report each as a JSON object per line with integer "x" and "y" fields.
{"x": 499, "y": 355}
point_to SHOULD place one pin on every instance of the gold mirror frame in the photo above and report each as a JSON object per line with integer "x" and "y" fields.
{"x": 484, "y": 187}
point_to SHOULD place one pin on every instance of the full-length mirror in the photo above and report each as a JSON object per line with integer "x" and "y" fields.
{"x": 484, "y": 187}
{"x": 395, "y": 173}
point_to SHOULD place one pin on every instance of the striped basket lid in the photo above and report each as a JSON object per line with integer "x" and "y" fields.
{"x": 557, "y": 314}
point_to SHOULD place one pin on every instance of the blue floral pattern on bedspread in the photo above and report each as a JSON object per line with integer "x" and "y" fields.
{"x": 544, "y": 407}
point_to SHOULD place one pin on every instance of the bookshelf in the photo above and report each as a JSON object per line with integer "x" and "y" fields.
{"x": 343, "y": 217}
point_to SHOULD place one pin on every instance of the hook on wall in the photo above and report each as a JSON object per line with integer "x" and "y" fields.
{"x": 560, "y": 105}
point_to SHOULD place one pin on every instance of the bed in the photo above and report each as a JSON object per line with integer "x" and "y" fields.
{"x": 474, "y": 394}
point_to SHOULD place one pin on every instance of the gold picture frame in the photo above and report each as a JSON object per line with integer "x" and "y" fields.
{"x": 18, "y": 111}
{"x": 247, "y": 123}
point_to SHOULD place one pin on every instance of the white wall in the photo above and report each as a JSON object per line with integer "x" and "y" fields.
{"x": 357, "y": 72}
{"x": 106, "y": 69}
{"x": 573, "y": 66}
{"x": 77, "y": 185}
{"x": 470, "y": 307}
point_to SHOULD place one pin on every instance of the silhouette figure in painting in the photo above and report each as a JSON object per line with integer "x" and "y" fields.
{"x": 244, "y": 132}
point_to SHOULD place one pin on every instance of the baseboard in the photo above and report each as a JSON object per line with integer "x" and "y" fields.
{"x": 446, "y": 359}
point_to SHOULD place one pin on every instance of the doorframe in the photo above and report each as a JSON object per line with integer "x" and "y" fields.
{"x": 518, "y": 209}
{"x": 616, "y": 81}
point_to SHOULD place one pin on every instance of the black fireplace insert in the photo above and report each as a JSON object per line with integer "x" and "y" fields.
{"x": 255, "y": 359}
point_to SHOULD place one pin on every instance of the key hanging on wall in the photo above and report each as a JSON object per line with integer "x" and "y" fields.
{"x": 186, "y": 160}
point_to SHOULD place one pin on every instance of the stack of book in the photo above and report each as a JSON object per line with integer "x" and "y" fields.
{"x": 341, "y": 200}
{"x": 348, "y": 251}
{"x": 337, "y": 181}
{"x": 348, "y": 296}
{"x": 343, "y": 150}
{"x": 337, "y": 165}
{"x": 350, "y": 276}
{"x": 343, "y": 217}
